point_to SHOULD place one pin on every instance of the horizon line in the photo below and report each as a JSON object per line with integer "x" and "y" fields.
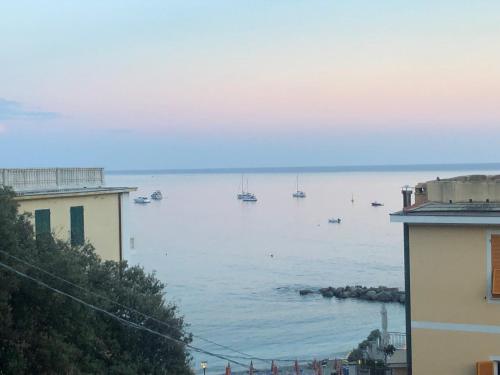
{"x": 315, "y": 169}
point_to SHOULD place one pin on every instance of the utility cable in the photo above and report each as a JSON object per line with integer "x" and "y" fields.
{"x": 244, "y": 356}
{"x": 120, "y": 319}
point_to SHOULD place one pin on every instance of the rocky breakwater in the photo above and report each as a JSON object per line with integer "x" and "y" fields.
{"x": 376, "y": 294}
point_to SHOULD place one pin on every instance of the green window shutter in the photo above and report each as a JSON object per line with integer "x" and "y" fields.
{"x": 42, "y": 222}
{"x": 77, "y": 231}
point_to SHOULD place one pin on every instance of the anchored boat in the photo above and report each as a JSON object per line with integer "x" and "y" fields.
{"x": 142, "y": 200}
{"x": 249, "y": 198}
{"x": 298, "y": 193}
{"x": 335, "y": 220}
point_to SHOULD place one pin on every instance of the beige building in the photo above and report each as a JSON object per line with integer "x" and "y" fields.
{"x": 452, "y": 275}
{"x": 74, "y": 204}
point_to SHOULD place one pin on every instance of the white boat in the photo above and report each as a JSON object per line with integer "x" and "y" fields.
{"x": 298, "y": 193}
{"x": 243, "y": 196}
{"x": 142, "y": 200}
{"x": 335, "y": 220}
{"x": 157, "y": 195}
{"x": 243, "y": 193}
{"x": 249, "y": 198}
{"x": 246, "y": 196}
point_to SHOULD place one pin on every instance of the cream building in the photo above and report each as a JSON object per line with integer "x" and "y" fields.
{"x": 452, "y": 275}
{"x": 73, "y": 204}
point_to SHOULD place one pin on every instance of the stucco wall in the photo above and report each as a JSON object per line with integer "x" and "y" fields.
{"x": 462, "y": 191}
{"x": 101, "y": 219}
{"x": 451, "y": 353}
{"x": 449, "y": 284}
{"x": 449, "y": 276}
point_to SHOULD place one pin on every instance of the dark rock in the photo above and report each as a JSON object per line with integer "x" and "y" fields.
{"x": 383, "y": 296}
{"x": 328, "y": 293}
{"x": 346, "y": 294}
{"x": 371, "y": 295}
{"x": 378, "y": 294}
{"x": 305, "y": 292}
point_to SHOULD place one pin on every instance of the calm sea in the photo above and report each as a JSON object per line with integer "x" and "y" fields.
{"x": 213, "y": 251}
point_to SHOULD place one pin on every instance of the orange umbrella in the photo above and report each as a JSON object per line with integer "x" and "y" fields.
{"x": 228, "y": 369}
{"x": 251, "y": 368}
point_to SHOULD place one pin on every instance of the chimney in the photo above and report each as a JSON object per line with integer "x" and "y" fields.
{"x": 407, "y": 192}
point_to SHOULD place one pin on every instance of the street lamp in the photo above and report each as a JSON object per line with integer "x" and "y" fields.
{"x": 204, "y": 366}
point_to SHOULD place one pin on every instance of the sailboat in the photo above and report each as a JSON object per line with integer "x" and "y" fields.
{"x": 243, "y": 194}
{"x": 246, "y": 196}
{"x": 298, "y": 193}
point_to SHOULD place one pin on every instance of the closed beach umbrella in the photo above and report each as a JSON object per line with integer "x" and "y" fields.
{"x": 251, "y": 368}
{"x": 296, "y": 368}
{"x": 274, "y": 368}
{"x": 228, "y": 369}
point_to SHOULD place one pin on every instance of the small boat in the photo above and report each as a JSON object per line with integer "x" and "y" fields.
{"x": 298, "y": 193}
{"x": 377, "y": 204}
{"x": 249, "y": 198}
{"x": 244, "y": 194}
{"x": 335, "y": 220}
{"x": 157, "y": 195}
{"x": 142, "y": 200}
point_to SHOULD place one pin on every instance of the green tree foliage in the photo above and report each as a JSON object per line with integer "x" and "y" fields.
{"x": 389, "y": 351}
{"x": 42, "y": 332}
{"x": 357, "y": 353}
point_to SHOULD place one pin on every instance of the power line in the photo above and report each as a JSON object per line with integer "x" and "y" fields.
{"x": 246, "y": 355}
{"x": 120, "y": 319}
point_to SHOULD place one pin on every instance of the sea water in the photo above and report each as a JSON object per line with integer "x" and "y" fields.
{"x": 235, "y": 268}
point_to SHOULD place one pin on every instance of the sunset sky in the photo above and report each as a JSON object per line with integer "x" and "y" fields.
{"x": 248, "y": 83}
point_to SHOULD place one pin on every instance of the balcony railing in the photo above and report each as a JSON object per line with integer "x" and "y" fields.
{"x": 397, "y": 339}
{"x": 51, "y": 178}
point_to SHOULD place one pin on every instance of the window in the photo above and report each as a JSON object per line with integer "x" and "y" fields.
{"x": 77, "y": 226}
{"x": 42, "y": 223}
{"x": 487, "y": 368}
{"x": 495, "y": 265}
{"x": 484, "y": 368}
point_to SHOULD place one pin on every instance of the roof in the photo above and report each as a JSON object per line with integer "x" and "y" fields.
{"x": 450, "y": 213}
{"x": 70, "y": 192}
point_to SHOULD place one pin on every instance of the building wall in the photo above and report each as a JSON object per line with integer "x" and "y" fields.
{"x": 101, "y": 219}
{"x": 449, "y": 286}
{"x": 479, "y": 190}
{"x": 452, "y": 353}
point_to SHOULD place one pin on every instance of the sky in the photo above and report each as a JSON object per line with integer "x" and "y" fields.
{"x": 248, "y": 83}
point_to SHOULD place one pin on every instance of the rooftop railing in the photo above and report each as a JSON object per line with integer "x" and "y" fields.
{"x": 22, "y": 179}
